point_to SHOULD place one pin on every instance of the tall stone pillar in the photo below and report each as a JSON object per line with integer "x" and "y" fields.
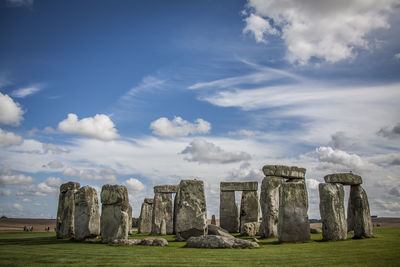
{"x": 114, "y": 215}
{"x": 162, "y": 210}
{"x": 228, "y": 212}
{"x": 249, "y": 208}
{"x": 130, "y": 210}
{"x": 87, "y": 214}
{"x": 191, "y": 211}
{"x": 331, "y": 206}
{"x": 65, "y": 223}
{"x": 359, "y": 207}
{"x": 270, "y": 205}
{"x": 146, "y": 215}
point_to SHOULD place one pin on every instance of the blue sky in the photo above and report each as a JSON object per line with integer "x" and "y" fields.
{"x": 143, "y": 93}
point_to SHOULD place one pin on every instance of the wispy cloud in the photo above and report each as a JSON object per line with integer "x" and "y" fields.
{"x": 27, "y": 91}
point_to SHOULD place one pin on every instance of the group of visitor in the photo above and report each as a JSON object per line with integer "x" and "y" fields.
{"x": 28, "y": 228}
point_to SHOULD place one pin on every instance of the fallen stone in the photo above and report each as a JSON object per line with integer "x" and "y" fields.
{"x": 216, "y": 230}
{"x": 239, "y": 186}
{"x": 269, "y": 199}
{"x": 215, "y": 241}
{"x": 228, "y": 212}
{"x": 146, "y": 214}
{"x": 213, "y": 221}
{"x": 315, "y": 230}
{"x": 363, "y": 227}
{"x": 162, "y": 210}
{"x": 190, "y": 210}
{"x": 65, "y": 223}
{"x": 255, "y": 240}
{"x": 293, "y": 224}
{"x": 343, "y": 178}
{"x": 249, "y": 208}
{"x": 166, "y": 188}
{"x": 87, "y": 215}
{"x": 150, "y": 241}
{"x": 331, "y": 207}
{"x": 114, "y": 217}
{"x": 289, "y": 172}
{"x": 126, "y": 241}
{"x": 250, "y": 229}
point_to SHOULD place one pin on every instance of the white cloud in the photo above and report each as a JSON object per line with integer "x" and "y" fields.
{"x": 17, "y": 207}
{"x": 178, "y": 127}
{"x": 24, "y": 92}
{"x": 397, "y": 56}
{"x": 8, "y": 177}
{"x": 133, "y": 184}
{"x": 53, "y": 148}
{"x": 10, "y": 111}
{"x": 100, "y": 126}
{"x": 5, "y": 193}
{"x": 245, "y": 173}
{"x": 329, "y": 30}
{"x": 50, "y": 186}
{"x": 9, "y": 139}
{"x": 244, "y": 132}
{"x": 329, "y": 155}
{"x": 202, "y": 151}
{"x": 147, "y": 84}
{"x": 107, "y": 175}
{"x": 312, "y": 184}
{"x": 55, "y": 164}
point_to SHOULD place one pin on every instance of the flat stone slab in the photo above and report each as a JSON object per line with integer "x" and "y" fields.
{"x": 149, "y": 200}
{"x": 167, "y": 188}
{"x": 289, "y": 172}
{"x": 216, "y": 241}
{"x": 148, "y": 241}
{"x": 239, "y": 186}
{"x": 343, "y": 178}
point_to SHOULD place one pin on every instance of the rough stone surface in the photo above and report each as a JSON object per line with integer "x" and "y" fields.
{"x": 191, "y": 212}
{"x": 162, "y": 210}
{"x": 213, "y": 221}
{"x": 289, "y": 172}
{"x": 114, "y": 215}
{"x": 150, "y": 241}
{"x": 361, "y": 213}
{"x": 87, "y": 214}
{"x": 126, "y": 241}
{"x": 293, "y": 224}
{"x": 166, "y": 188}
{"x": 228, "y": 212}
{"x": 350, "y": 217}
{"x": 250, "y": 229}
{"x": 65, "y": 222}
{"x": 269, "y": 199}
{"x": 343, "y": 178}
{"x": 249, "y": 207}
{"x": 163, "y": 229}
{"x": 146, "y": 215}
{"x": 216, "y": 230}
{"x": 239, "y": 186}
{"x": 215, "y": 241}
{"x": 331, "y": 207}
{"x": 129, "y": 219}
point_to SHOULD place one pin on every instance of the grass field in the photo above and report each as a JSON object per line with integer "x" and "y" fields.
{"x": 41, "y": 248}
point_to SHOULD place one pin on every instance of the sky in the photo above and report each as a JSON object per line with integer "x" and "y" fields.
{"x": 144, "y": 93}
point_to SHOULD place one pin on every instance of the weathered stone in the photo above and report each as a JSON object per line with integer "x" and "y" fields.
{"x": 361, "y": 214}
{"x": 129, "y": 219}
{"x": 213, "y": 221}
{"x": 331, "y": 207}
{"x": 128, "y": 242}
{"x": 65, "y": 222}
{"x": 239, "y": 186}
{"x": 343, "y": 178}
{"x": 216, "y": 230}
{"x": 190, "y": 209}
{"x": 114, "y": 215}
{"x": 163, "y": 228}
{"x": 87, "y": 215}
{"x": 249, "y": 207}
{"x": 215, "y": 241}
{"x": 289, "y": 172}
{"x": 315, "y": 230}
{"x": 228, "y": 212}
{"x": 250, "y": 229}
{"x": 150, "y": 241}
{"x": 293, "y": 224}
{"x": 162, "y": 210}
{"x": 146, "y": 215}
{"x": 269, "y": 199}
{"x": 166, "y": 188}
{"x": 350, "y": 217}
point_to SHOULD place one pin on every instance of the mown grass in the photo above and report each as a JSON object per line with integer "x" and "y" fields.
{"x": 41, "y": 249}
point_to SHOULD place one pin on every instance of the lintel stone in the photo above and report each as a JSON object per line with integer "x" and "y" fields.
{"x": 289, "y": 172}
{"x": 343, "y": 178}
{"x": 239, "y": 186}
{"x": 166, "y": 188}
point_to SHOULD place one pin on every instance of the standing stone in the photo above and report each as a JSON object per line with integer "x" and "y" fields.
{"x": 162, "y": 210}
{"x": 191, "y": 212}
{"x": 293, "y": 224}
{"x": 66, "y": 210}
{"x": 146, "y": 214}
{"x": 331, "y": 207}
{"x": 114, "y": 215}
{"x": 87, "y": 215}
{"x": 213, "y": 222}
{"x": 350, "y": 217}
{"x": 163, "y": 229}
{"x": 129, "y": 219}
{"x": 249, "y": 208}
{"x": 228, "y": 212}
{"x": 270, "y": 205}
{"x": 360, "y": 212}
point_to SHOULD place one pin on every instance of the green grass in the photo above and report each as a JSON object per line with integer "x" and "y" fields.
{"x": 41, "y": 248}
